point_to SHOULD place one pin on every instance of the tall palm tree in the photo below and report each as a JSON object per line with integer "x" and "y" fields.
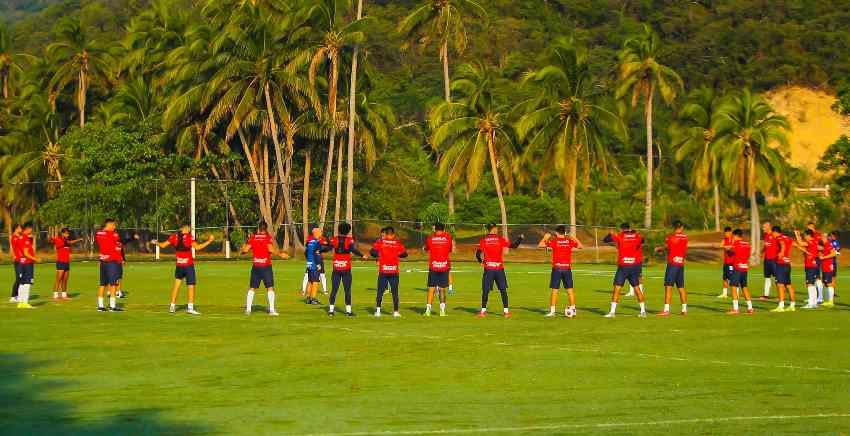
{"x": 752, "y": 142}
{"x": 692, "y": 136}
{"x": 563, "y": 124}
{"x": 80, "y": 59}
{"x": 443, "y": 22}
{"x": 643, "y": 76}
{"x": 336, "y": 36}
{"x": 473, "y": 132}
{"x": 10, "y": 62}
{"x": 352, "y": 111}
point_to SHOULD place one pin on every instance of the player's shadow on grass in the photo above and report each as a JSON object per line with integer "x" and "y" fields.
{"x": 595, "y": 310}
{"x": 27, "y": 409}
{"x": 472, "y": 310}
{"x": 708, "y": 308}
{"x": 535, "y": 310}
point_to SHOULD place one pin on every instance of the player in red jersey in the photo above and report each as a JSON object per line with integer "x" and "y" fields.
{"x": 783, "y": 271}
{"x": 388, "y": 250}
{"x": 491, "y": 254}
{"x": 818, "y": 236}
{"x": 769, "y": 252}
{"x": 740, "y": 252}
{"x": 726, "y": 246}
{"x": 629, "y": 246}
{"x": 811, "y": 253}
{"x": 63, "y": 243}
{"x": 827, "y": 266}
{"x": 263, "y": 246}
{"x": 562, "y": 245}
{"x": 15, "y": 251}
{"x": 109, "y": 245}
{"x": 439, "y": 247}
{"x": 183, "y": 243}
{"x": 26, "y": 263}
{"x": 677, "y": 249}
{"x": 343, "y": 247}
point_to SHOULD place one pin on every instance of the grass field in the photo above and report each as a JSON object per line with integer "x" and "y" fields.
{"x": 68, "y": 369}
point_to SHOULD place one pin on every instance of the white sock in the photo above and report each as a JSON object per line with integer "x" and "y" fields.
{"x": 734, "y": 304}
{"x": 631, "y": 289}
{"x": 613, "y": 307}
{"x": 24, "y": 294}
{"x": 64, "y": 294}
{"x": 348, "y": 308}
{"x": 767, "y": 286}
{"x": 666, "y": 307}
{"x": 642, "y": 307}
{"x": 304, "y": 283}
{"x": 725, "y": 291}
{"x": 451, "y": 287}
{"x": 172, "y": 307}
{"x": 55, "y": 295}
{"x": 249, "y": 300}
{"x": 190, "y": 306}
{"x": 112, "y": 300}
{"x": 782, "y": 304}
{"x": 819, "y": 286}
{"x": 377, "y": 310}
{"x": 270, "y": 295}
{"x": 442, "y": 307}
{"x": 813, "y": 295}
{"x": 99, "y": 301}
{"x": 428, "y": 307}
{"x": 830, "y": 293}
{"x": 749, "y": 304}
{"x": 324, "y": 283}
{"x": 331, "y": 308}
{"x": 483, "y": 310}
{"x": 791, "y": 304}
{"x": 684, "y": 307}
{"x": 551, "y": 309}
{"x": 505, "y": 310}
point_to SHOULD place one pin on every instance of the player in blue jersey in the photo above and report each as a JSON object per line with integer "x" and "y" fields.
{"x": 313, "y": 253}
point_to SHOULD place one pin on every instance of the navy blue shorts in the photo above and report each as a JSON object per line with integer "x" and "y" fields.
{"x": 738, "y": 279}
{"x": 812, "y": 275}
{"x": 783, "y": 274}
{"x": 186, "y": 273}
{"x": 110, "y": 273}
{"x": 387, "y": 281}
{"x": 674, "y": 275}
{"x": 26, "y": 273}
{"x": 769, "y": 268}
{"x": 262, "y": 274}
{"x": 630, "y": 273}
{"x": 438, "y": 279}
{"x": 320, "y": 268}
{"x": 120, "y": 270}
{"x": 314, "y": 275}
{"x": 828, "y": 277}
{"x": 494, "y": 276}
{"x": 727, "y": 271}
{"x": 63, "y": 266}
{"x": 561, "y": 276}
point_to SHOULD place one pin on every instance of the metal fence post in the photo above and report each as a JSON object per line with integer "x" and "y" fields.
{"x": 192, "y": 208}
{"x": 596, "y": 242}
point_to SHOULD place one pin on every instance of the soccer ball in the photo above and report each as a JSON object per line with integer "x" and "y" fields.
{"x": 570, "y": 312}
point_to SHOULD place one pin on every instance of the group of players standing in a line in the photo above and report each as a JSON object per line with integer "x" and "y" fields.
{"x": 820, "y": 253}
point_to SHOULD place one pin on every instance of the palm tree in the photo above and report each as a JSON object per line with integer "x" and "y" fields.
{"x": 335, "y": 37}
{"x": 563, "y": 125}
{"x": 352, "y": 113}
{"x": 80, "y": 59}
{"x": 642, "y": 75}
{"x": 9, "y": 61}
{"x": 751, "y": 142}
{"x": 692, "y": 136}
{"x": 473, "y": 132}
{"x": 442, "y": 21}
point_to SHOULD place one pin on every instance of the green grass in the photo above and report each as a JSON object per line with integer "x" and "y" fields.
{"x": 68, "y": 369}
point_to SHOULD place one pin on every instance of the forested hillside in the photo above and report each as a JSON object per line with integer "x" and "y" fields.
{"x": 153, "y": 66}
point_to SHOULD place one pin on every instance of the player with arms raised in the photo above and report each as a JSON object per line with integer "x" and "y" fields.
{"x": 439, "y": 247}
{"x": 388, "y": 250}
{"x": 343, "y": 247}
{"x": 491, "y": 254}
{"x": 629, "y": 245}
{"x": 674, "y": 275}
{"x": 562, "y": 245}
{"x": 741, "y": 250}
{"x": 183, "y": 243}
{"x": 109, "y": 246}
{"x": 263, "y": 247}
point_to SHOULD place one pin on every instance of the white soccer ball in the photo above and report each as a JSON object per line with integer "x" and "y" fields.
{"x": 569, "y": 312}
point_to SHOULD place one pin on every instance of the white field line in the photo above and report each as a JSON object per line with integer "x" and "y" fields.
{"x": 596, "y": 426}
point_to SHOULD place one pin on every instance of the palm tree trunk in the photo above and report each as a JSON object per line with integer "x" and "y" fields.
{"x": 716, "y": 207}
{"x": 287, "y": 193}
{"x": 282, "y": 175}
{"x": 5, "y": 85}
{"x": 755, "y": 230}
{"x": 305, "y": 196}
{"x": 265, "y": 212}
{"x": 647, "y": 214}
{"x": 572, "y": 195}
{"x": 326, "y": 182}
{"x": 493, "y": 166}
{"x": 81, "y": 98}
{"x": 338, "y": 199}
{"x": 447, "y": 91}
{"x": 352, "y": 100}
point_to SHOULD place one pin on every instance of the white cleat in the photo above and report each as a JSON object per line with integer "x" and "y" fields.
{"x": 13, "y": 300}
{"x": 642, "y": 315}
{"x": 396, "y": 315}
{"x": 273, "y": 313}
{"x": 172, "y": 309}
{"x": 248, "y": 312}
{"x": 550, "y": 315}
{"x": 610, "y": 315}
{"x": 377, "y": 314}
{"x": 193, "y": 312}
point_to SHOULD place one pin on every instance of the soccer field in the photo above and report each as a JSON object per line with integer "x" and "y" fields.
{"x": 68, "y": 369}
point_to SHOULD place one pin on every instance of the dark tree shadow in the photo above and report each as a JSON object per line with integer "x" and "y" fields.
{"x": 26, "y": 411}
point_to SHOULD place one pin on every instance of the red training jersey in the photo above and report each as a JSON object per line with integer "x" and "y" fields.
{"x": 741, "y": 255}
{"x": 15, "y": 246}
{"x": 183, "y": 255}
{"x": 827, "y": 265}
{"x": 771, "y": 247}
{"x": 728, "y": 258}
{"x": 109, "y": 246}
{"x": 562, "y": 252}
{"x": 439, "y": 247}
{"x": 259, "y": 243}
{"x": 629, "y": 248}
{"x": 810, "y": 257}
{"x": 388, "y": 255}
{"x": 784, "y": 253}
{"x": 342, "y": 261}
{"x": 25, "y": 244}
{"x": 677, "y": 248}
{"x": 493, "y": 248}
{"x": 63, "y": 249}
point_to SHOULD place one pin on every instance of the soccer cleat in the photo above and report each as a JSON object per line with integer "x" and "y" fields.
{"x": 116, "y": 309}
{"x": 550, "y": 315}
{"x": 765, "y": 298}
{"x": 120, "y": 294}
{"x": 481, "y": 314}
{"x": 810, "y": 307}
{"x": 684, "y": 313}
{"x": 664, "y": 313}
{"x": 427, "y": 313}
{"x": 443, "y": 313}
{"x": 733, "y": 312}
{"x": 330, "y": 314}
{"x": 723, "y": 296}
{"x": 315, "y": 302}
{"x": 377, "y": 314}
{"x": 273, "y": 313}
{"x": 642, "y": 315}
{"x": 751, "y": 311}
{"x": 396, "y": 315}
{"x": 172, "y": 309}
{"x": 508, "y": 314}
{"x": 778, "y": 310}
{"x": 350, "y": 314}
{"x": 13, "y": 300}
{"x": 193, "y": 312}
{"x": 101, "y": 309}
{"x": 610, "y": 315}
{"x": 791, "y": 309}
{"x": 25, "y": 306}
{"x": 828, "y": 304}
